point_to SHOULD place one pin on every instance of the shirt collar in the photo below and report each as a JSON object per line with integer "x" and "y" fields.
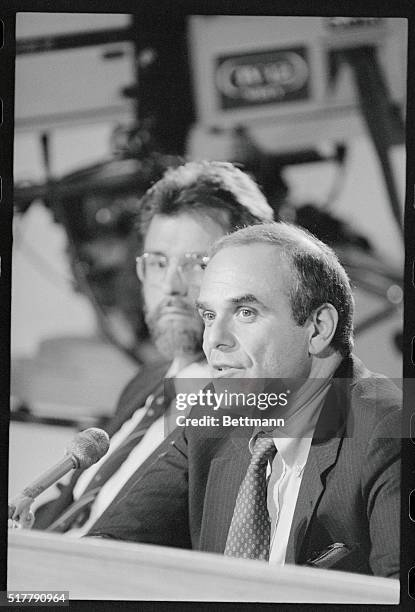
{"x": 294, "y": 439}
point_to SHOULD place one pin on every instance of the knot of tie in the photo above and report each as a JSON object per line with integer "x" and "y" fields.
{"x": 264, "y": 450}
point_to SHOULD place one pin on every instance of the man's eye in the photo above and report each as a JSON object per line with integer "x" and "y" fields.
{"x": 194, "y": 266}
{"x": 246, "y": 313}
{"x": 191, "y": 266}
{"x": 206, "y": 315}
{"x": 157, "y": 263}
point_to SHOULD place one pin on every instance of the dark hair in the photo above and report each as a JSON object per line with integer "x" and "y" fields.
{"x": 208, "y": 187}
{"x": 319, "y": 276}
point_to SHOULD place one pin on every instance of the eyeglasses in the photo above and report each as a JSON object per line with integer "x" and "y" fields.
{"x": 152, "y": 267}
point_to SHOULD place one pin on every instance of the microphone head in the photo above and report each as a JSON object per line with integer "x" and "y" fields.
{"x": 88, "y": 446}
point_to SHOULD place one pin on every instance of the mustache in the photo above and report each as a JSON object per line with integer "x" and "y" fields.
{"x": 172, "y": 302}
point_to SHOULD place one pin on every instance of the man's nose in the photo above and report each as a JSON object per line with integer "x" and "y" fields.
{"x": 218, "y": 335}
{"x": 174, "y": 283}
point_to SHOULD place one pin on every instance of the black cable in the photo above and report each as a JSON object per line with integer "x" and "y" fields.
{"x": 384, "y": 126}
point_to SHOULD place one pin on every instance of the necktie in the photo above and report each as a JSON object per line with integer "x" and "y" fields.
{"x": 78, "y": 512}
{"x": 249, "y": 533}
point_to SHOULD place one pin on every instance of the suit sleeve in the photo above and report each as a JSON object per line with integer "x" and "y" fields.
{"x": 154, "y": 509}
{"x": 48, "y": 512}
{"x": 132, "y": 397}
{"x": 382, "y": 492}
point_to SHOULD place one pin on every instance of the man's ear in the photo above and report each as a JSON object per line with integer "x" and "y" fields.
{"x": 323, "y": 325}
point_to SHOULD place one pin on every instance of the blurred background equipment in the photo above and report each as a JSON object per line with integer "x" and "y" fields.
{"x": 312, "y": 107}
{"x": 97, "y": 206}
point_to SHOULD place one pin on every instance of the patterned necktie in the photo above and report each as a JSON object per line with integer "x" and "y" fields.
{"x": 249, "y": 533}
{"x": 78, "y": 512}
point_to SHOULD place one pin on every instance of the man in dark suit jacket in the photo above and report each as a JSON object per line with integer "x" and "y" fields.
{"x": 179, "y": 218}
{"x": 132, "y": 398}
{"x": 277, "y": 304}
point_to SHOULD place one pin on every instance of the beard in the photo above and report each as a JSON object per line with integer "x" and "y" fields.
{"x": 174, "y": 337}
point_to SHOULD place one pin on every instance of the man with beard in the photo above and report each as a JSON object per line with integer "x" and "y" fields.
{"x": 179, "y": 219}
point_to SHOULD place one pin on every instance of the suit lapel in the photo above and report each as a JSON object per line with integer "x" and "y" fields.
{"x": 323, "y": 454}
{"x": 321, "y": 459}
{"x": 225, "y": 476}
{"x": 136, "y": 393}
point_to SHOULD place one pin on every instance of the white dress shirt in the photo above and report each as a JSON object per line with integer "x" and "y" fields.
{"x": 283, "y": 488}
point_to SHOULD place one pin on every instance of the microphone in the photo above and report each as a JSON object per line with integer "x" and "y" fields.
{"x": 86, "y": 448}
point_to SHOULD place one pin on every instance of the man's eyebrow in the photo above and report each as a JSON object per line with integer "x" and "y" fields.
{"x": 150, "y": 252}
{"x": 248, "y": 298}
{"x": 201, "y": 305}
